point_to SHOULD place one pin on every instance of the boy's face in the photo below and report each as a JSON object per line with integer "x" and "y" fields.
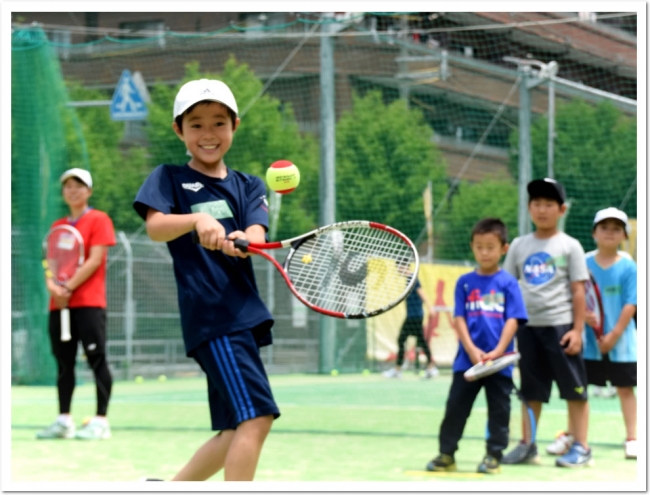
{"x": 545, "y": 212}
{"x": 609, "y": 233}
{"x": 487, "y": 249}
{"x": 207, "y": 132}
{"x": 75, "y": 193}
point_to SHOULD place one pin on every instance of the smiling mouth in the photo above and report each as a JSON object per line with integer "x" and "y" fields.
{"x": 209, "y": 147}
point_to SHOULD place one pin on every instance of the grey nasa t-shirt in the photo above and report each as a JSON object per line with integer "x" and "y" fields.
{"x": 545, "y": 269}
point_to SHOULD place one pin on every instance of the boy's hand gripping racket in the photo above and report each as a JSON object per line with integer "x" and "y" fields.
{"x": 489, "y": 367}
{"x": 595, "y": 305}
{"x": 355, "y": 269}
{"x": 63, "y": 254}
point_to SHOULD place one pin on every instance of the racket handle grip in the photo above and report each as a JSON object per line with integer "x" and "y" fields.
{"x": 241, "y": 244}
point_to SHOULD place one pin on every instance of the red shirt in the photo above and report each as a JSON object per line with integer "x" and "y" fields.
{"x": 96, "y": 229}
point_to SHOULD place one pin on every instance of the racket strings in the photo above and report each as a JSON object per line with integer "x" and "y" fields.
{"x": 351, "y": 271}
{"x": 63, "y": 255}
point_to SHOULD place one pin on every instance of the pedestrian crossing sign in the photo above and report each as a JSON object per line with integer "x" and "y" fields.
{"x": 128, "y": 103}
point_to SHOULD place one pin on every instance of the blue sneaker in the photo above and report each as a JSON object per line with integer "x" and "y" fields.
{"x": 576, "y": 457}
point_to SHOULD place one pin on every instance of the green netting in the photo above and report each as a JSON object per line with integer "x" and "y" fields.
{"x": 418, "y": 98}
{"x": 39, "y": 154}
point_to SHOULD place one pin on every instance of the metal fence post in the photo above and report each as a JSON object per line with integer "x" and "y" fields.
{"x": 129, "y": 305}
{"x": 327, "y": 176}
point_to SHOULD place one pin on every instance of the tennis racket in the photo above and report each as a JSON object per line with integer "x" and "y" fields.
{"x": 595, "y": 304}
{"x": 355, "y": 269}
{"x": 489, "y": 367}
{"x": 63, "y": 254}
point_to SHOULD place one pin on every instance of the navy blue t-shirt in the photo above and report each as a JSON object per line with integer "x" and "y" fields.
{"x": 487, "y": 302}
{"x": 414, "y": 303}
{"x": 217, "y": 294}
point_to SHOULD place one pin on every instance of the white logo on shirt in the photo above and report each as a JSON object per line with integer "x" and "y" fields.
{"x": 193, "y": 187}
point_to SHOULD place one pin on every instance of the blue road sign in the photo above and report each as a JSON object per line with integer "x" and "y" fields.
{"x": 127, "y": 102}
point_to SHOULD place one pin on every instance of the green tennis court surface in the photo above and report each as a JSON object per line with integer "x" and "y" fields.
{"x": 342, "y": 428}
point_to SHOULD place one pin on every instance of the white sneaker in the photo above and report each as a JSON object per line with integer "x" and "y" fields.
{"x": 431, "y": 372}
{"x": 561, "y": 444}
{"x": 608, "y": 392}
{"x": 392, "y": 373}
{"x": 95, "y": 429}
{"x": 58, "y": 429}
{"x": 630, "y": 449}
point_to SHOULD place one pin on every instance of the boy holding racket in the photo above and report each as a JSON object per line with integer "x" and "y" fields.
{"x": 223, "y": 318}
{"x": 614, "y": 356}
{"x": 488, "y": 308}
{"x": 85, "y": 295}
{"x": 551, "y": 269}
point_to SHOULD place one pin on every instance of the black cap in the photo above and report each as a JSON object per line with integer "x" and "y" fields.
{"x": 546, "y": 188}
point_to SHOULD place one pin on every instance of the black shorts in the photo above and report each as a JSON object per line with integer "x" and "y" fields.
{"x": 87, "y": 325}
{"x": 618, "y": 374}
{"x": 238, "y": 387}
{"x": 543, "y": 360}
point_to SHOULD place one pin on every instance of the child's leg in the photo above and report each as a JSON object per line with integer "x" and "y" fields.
{"x": 245, "y": 448}
{"x": 628, "y": 406}
{"x": 237, "y": 451}
{"x": 208, "y": 459}
{"x": 536, "y": 407}
{"x": 422, "y": 344}
{"x": 497, "y": 391}
{"x": 458, "y": 408}
{"x": 579, "y": 420}
{"x": 401, "y": 340}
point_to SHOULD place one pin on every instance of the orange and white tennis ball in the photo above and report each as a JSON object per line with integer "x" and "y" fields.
{"x": 283, "y": 176}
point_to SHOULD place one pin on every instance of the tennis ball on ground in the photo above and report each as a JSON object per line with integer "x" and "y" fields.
{"x": 162, "y": 378}
{"x": 139, "y": 379}
{"x": 283, "y": 176}
{"x": 86, "y": 420}
{"x": 365, "y": 372}
{"x": 334, "y": 372}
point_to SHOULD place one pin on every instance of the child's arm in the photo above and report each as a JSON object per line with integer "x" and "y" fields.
{"x": 475, "y": 354}
{"x": 425, "y": 300}
{"x": 572, "y": 340}
{"x": 608, "y": 341}
{"x": 165, "y": 228}
{"x": 507, "y": 334}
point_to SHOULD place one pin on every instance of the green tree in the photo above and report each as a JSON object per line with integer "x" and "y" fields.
{"x": 384, "y": 158}
{"x": 267, "y": 132}
{"x": 595, "y": 159}
{"x": 117, "y": 172}
{"x": 473, "y": 201}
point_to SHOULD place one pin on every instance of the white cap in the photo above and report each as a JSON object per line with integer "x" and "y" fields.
{"x": 612, "y": 213}
{"x": 203, "y": 90}
{"x": 79, "y": 173}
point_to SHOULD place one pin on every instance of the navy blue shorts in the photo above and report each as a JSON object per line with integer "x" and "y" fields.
{"x": 238, "y": 387}
{"x": 543, "y": 360}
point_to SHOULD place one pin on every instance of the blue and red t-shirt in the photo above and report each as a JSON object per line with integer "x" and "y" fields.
{"x": 486, "y": 302}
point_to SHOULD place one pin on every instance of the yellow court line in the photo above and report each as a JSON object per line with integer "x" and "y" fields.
{"x": 444, "y": 474}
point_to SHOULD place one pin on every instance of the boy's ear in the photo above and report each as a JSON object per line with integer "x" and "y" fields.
{"x": 236, "y": 124}
{"x": 504, "y": 248}
{"x": 563, "y": 208}
{"x": 177, "y": 131}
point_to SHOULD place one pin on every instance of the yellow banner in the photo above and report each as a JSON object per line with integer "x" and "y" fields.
{"x": 629, "y": 244}
{"x": 438, "y": 283}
